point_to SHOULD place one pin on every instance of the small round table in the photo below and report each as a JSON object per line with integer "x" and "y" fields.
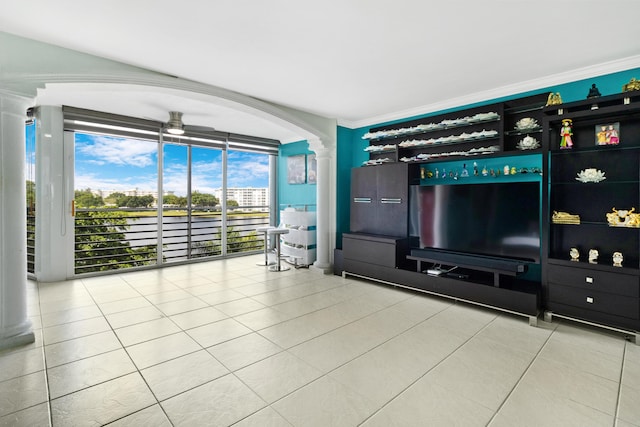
{"x": 265, "y": 230}
{"x": 276, "y": 233}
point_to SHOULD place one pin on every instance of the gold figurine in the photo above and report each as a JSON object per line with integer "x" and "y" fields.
{"x": 554, "y": 99}
{"x": 623, "y": 218}
{"x": 632, "y": 85}
{"x": 565, "y": 218}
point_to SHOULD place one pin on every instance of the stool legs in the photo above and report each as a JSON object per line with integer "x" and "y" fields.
{"x": 278, "y": 266}
{"x": 266, "y": 250}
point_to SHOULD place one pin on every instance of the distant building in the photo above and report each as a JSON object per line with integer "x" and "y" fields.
{"x": 249, "y": 199}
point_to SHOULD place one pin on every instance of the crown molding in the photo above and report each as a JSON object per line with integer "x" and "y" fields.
{"x": 618, "y": 65}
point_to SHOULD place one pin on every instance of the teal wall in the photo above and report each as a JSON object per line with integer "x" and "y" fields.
{"x": 350, "y": 145}
{"x": 293, "y": 194}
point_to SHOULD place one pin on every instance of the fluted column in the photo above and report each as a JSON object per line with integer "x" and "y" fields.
{"x": 323, "y": 206}
{"x": 15, "y": 327}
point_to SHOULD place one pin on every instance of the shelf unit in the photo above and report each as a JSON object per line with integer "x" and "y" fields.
{"x": 299, "y": 245}
{"x": 599, "y": 292}
{"x": 487, "y": 130}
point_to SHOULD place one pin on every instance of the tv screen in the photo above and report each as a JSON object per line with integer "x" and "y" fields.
{"x": 496, "y": 219}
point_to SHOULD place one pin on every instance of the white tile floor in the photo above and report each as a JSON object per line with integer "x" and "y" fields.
{"x": 229, "y": 343}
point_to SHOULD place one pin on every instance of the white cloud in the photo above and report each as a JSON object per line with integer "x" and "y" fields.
{"x": 120, "y": 151}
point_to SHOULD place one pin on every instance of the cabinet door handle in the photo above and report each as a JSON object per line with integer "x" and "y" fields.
{"x": 590, "y": 300}
{"x": 362, "y": 200}
{"x": 389, "y": 200}
{"x": 588, "y": 279}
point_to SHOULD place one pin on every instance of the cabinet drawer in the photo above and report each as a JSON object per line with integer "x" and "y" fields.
{"x": 387, "y": 252}
{"x": 602, "y": 281}
{"x": 597, "y": 301}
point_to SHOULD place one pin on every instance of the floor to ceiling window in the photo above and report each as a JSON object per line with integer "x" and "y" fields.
{"x": 145, "y": 198}
{"x": 116, "y": 219}
{"x": 30, "y": 137}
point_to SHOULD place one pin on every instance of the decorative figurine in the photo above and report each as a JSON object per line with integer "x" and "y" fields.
{"x": 437, "y": 173}
{"x": 513, "y": 170}
{"x": 601, "y": 135}
{"x": 574, "y": 254}
{"x": 422, "y": 173}
{"x": 465, "y": 172}
{"x": 475, "y": 168}
{"x": 485, "y": 172}
{"x": 632, "y": 85}
{"x": 593, "y": 92}
{"x": 554, "y": 99}
{"x": 506, "y": 169}
{"x": 623, "y": 218}
{"x": 565, "y": 218}
{"x": 566, "y": 132}
{"x": 593, "y": 256}
{"x": 612, "y": 137}
{"x": 617, "y": 259}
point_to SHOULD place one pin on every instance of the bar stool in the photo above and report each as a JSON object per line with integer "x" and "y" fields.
{"x": 276, "y": 233}
{"x": 265, "y": 230}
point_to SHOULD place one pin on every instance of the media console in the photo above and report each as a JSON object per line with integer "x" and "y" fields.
{"x": 388, "y": 259}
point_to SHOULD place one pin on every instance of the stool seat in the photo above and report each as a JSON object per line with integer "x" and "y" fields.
{"x": 276, "y": 232}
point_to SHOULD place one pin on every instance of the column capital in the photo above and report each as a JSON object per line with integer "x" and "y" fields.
{"x": 319, "y": 148}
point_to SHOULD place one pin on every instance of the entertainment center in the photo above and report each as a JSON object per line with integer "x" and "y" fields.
{"x": 491, "y": 206}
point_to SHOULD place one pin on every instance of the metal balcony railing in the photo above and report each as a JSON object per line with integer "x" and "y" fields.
{"x": 109, "y": 239}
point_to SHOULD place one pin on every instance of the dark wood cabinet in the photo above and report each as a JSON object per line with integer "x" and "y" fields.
{"x": 598, "y": 291}
{"x": 379, "y": 200}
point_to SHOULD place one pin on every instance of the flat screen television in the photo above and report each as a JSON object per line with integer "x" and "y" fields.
{"x": 495, "y": 219}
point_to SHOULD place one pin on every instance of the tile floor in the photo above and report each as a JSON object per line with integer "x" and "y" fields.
{"x": 229, "y": 343}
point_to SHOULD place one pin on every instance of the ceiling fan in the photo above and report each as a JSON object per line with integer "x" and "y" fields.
{"x": 175, "y": 125}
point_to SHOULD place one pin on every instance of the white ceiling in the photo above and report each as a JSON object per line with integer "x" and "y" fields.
{"x": 358, "y": 61}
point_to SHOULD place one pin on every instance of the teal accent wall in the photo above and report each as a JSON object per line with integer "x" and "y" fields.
{"x": 350, "y": 145}
{"x": 293, "y": 194}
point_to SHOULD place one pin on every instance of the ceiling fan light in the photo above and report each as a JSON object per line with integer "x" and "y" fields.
{"x": 175, "y": 125}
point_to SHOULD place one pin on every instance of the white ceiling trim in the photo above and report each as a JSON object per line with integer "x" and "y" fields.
{"x": 487, "y": 95}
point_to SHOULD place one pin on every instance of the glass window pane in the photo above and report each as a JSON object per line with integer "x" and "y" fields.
{"x": 115, "y": 195}
{"x": 175, "y": 220}
{"x": 247, "y": 200}
{"x": 206, "y": 220}
{"x": 30, "y": 137}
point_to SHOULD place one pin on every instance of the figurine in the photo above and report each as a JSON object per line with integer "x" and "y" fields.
{"x": 485, "y": 172}
{"x": 465, "y": 172}
{"x": 574, "y": 254}
{"x": 566, "y": 132}
{"x": 506, "y": 169}
{"x": 617, "y": 259}
{"x": 632, "y": 85}
{"x": 475, "y": 168}
{"x": 602, "y": 136}
{"x": 623, "y": 218}
{"x": 612, "y": 136}
{"x": 593, "y": 92}
{"x": 554, "y": 99}
{"x": 593, "y": 256}
{"x": 513, "y": 170}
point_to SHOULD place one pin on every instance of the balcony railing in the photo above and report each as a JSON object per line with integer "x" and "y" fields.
{"x": 109, "y": 239}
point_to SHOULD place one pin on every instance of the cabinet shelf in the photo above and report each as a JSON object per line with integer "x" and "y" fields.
{"x": 594, "y": 224}
{"x": 426, "y": 128}
{"x": 594, "y": 184}
{"x": 523, "y": 132}
{"x": 593, "y": 150}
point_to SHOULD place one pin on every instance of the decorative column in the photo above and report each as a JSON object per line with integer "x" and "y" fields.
{"x": 15, "y": 327}
{"x": 323, "y": 206}
{"x": 54, "y": 192}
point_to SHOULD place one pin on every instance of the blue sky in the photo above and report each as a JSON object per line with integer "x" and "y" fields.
{"x": 111, "y": 163}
